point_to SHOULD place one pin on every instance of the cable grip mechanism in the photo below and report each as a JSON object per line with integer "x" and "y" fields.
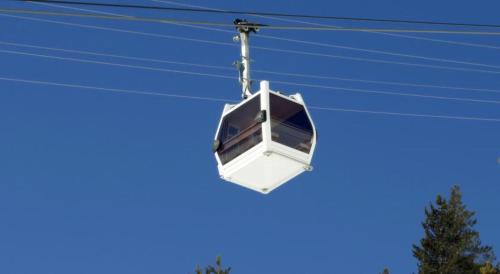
{"x": 244, "y": 28}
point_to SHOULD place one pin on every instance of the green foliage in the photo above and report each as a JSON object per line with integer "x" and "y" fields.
{"x": 450, "y": 245}
{"x": 213, "y": 270}
{"x": 488, "y": 268}
{"x": 386, "y": 271}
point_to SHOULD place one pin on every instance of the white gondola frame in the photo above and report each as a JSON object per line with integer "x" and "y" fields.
{"x": 268, "y": 160}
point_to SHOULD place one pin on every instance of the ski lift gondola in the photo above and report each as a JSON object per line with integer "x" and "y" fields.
{"x": 268, "y": 138}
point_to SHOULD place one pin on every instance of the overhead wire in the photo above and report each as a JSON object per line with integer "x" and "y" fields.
{"x": 404, "y": 84}
{"x": 435, "y": 40}
{"x": 176, "y": 37}
{"x": 225, "y": 100}
{"x": 205, "y": 23}
{"x": 271, "y": 14}
{"x": 79, "y": 60}
{"x": 358, "y": 90}
{"x": 377, "y": 112}
{"x": 320, "y": 24}
{"x": 329, "y": 45}
{"x": 73, "y": 8}
{"x": 231, "y": 68}
{"x": 111, "y": 17}
{"x": 142, "y": 33}
{"x": 292, "y": 20}
{"x": 344, "y": 47}
{"x": 371, "y": 60}
{"x": 405, "y": 114}
{"x": 365, "y": 91}
{"x": 133, "y": 58}
{"x": 381, "y": 92}
{"x": 129, "y": 91}
{"x": 180, "y": 96}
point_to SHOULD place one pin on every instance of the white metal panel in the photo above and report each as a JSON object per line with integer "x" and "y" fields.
{"x": 241, "y": 160}
{"x": 290, "y": 152}
{"x": 266, "y": 172}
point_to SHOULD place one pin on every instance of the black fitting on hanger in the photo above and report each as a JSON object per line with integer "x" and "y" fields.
{"x": 242, "y": 25}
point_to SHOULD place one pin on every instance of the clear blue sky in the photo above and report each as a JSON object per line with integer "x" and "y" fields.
{"x": 102, "y": 182}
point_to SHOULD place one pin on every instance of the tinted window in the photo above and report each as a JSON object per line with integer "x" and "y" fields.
{"x": 290, "y": 124}
{"x": 239, "y": 131}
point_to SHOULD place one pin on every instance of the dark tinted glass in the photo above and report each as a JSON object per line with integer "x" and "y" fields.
{"x": 239, "y": 131}
{"x": 290, "y": 124}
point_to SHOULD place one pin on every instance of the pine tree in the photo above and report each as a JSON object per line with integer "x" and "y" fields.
{"x": 213, "y": 270}
{"x": 450, "y": 244}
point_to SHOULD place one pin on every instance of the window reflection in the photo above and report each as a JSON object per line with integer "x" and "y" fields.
{"x": 239, "y": 131}
{"x": 290, "y": 124}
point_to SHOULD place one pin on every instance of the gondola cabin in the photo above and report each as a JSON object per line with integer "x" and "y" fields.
{"x": 264, "y": 141}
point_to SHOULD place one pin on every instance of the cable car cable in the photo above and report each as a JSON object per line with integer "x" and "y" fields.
{"x": 318, "y": 24}
{"x": 405, "y": 114}
{"x": 231, "y": 68}
{"x": 378, "y": 82}
{"x": 399, "y": 35}
{"x": 150, "y": 34}
{"x": 176, "y": 37}
{"x": 305, "y": 22}
{"x": 168, "y": 20}
{"x": 371, "y": 60}
{"x": 199, "y": 10}
{"x": 172, "y": 95}
{"x": 133, "y": 58}
{"x": 74, "y": 8}
{"x": 378, "y": 51}
{"x": 387, "y": 92}
{"x": 328, "y": 44}
{"x": 366, "y": 91}
{"x": 129, "y": 91}
{"x": 79, "y": 60}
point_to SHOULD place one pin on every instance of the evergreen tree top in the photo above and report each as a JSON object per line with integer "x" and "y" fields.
{"x": 450, "y": 244}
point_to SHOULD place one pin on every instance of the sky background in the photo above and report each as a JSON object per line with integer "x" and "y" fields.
{"x": 103, "y": 182}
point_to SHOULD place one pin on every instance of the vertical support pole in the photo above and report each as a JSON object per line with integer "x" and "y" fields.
{"x": 266, "y": 105}
{"x": 244, "y": 28}
{"x": 245, "y": 80}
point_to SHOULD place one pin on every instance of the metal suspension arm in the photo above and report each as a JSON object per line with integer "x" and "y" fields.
{"x": 244, "y": 28}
